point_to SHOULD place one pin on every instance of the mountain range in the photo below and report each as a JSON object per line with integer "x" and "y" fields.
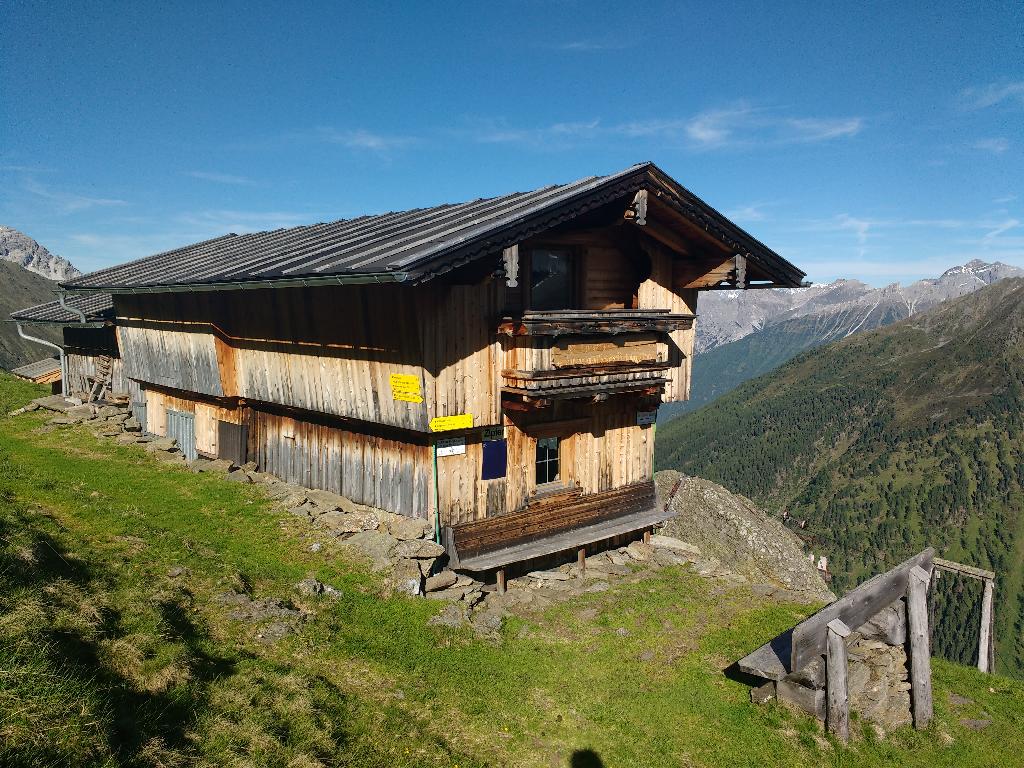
{"x": 743, "y": 334}
{"x": 22, "y": 250}
{"x": 886, "y": 442}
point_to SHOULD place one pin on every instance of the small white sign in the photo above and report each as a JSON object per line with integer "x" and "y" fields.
{"x": 646, "y": 417}
{"x": 451, "y": 446}
{"x": 493, "y": 433}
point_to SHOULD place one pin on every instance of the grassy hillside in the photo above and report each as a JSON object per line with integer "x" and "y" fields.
{"x": 114, "y": 649}
{"x": 889, "y": 441}
{"x": 20, "y": 288}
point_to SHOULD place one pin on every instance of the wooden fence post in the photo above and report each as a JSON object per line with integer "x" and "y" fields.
{"x": 985, "y": 635}
{"x": 920, "y": 652}
{"x": 838, "y": 712}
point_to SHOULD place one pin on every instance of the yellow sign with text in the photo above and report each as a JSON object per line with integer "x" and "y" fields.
{"x": 448, "y": 423}
{"x": 405, "y": 387}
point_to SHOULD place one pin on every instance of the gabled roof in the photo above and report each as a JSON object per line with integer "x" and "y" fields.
{"x": 415, "y": 245}
{"x": 95, "y": 306}
{"x": 38, "y": 369}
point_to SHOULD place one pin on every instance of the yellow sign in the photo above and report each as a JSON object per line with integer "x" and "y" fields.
{"x": 405, "y": 387}
{"x": 447, "y": 423}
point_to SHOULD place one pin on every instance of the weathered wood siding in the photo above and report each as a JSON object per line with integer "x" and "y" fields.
{"x": 207, "y": 414}
{"x": 461, "y": 351}
{"x": 659, "y": 291}
{"x": 185, "y": 360}
{"x": 379, "y": 470}
{"x": 601, "y": 448}
{"x": 328, "y": 350}
{"x": 82, "y": 369}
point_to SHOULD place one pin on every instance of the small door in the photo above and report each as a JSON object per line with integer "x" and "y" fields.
{"x": 182, "y": 427}
{"x": 139, "y": 412}
{"x": 232, "y": 442}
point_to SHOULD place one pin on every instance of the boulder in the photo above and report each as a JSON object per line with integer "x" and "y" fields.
{"x": 132, "y": 425}
{"x": 330, "y": 501}
{"x": 639, "y": 551}
{"x": 418, "y": 549}
{"x": 315, "y": 588}
{"x": 375, "y": 545}
{"x": 676, "y": 545}
{"x": 162, "y": 444}
{"x": 109, "y": 411}
{"x": 549, "y": 575}
{"x": 407, "y": 528}
{"x": 239, "y": 477}
{"x": 451, "y": 616}
{"x": 214, "y": 465}
{"x": 408, "y": 578}
{"x": 127, "y": 438}
{"x": 440, "y": 581}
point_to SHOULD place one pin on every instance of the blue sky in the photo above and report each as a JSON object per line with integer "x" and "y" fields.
{"x": 860, "y": 140}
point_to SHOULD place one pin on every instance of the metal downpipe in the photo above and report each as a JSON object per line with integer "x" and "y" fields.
{"x": 60, "y": 350}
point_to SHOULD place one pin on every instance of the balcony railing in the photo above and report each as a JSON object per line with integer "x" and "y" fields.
{"x": 595, "y": 322}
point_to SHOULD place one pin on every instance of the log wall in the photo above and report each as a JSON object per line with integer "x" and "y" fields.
{"x": 82, "y": 368}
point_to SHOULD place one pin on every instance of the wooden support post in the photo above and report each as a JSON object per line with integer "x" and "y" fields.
{"x": 501, "y": 581}
{"x": 838, "y": 712}
{"x": 920, "y": 653}
{"x": 647, "y": 536}
{"x": 581, "y": 559}
{"x": 985, "y": 635}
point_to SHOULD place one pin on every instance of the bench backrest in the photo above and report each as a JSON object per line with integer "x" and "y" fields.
{"x": 545, "y": 516}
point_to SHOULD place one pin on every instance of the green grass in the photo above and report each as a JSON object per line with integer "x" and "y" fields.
{"x": 105, "y": 659}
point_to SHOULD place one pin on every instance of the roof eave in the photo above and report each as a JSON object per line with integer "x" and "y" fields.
{"x": 245, "y": 285}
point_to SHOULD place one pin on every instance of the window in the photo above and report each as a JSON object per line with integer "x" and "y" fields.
{"x": 551, "y": 280}
{"x": 547, "y": 460}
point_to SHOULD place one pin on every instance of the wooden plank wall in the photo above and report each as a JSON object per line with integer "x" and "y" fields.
{"x": 659, "y": 291}
{"x": 379, "y": 471}
{"x": 461, "y": 350}
{"x": 602, "y": 448}
{"x": 608, "y": 276}
{"x": 207, "y": 414}
{"x": 82, "y": 367}
{"x": 329, "y": 349}
{"x": 170, "y": 358}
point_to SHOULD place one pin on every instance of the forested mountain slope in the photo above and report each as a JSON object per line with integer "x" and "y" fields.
{"x": 743, "y": 334}
{"x": 20, "y": 288}
{"x": 886, "y": 442}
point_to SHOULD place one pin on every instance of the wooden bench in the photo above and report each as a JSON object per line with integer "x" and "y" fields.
{"x": 551, "y": 523}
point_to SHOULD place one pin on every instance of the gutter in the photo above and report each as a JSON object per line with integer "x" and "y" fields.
{"x": 246, "y": 285}
{"x": 63, "y": 363}
{"x": 62, "y": 300}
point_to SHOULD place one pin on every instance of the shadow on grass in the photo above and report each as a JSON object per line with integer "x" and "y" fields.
{"x": 585, "y": 758}
{"x": 36, "y": 569}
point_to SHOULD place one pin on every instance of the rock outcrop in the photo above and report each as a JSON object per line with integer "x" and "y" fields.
{"x": 22, "y": 250}
{"x": 731, "y": 529}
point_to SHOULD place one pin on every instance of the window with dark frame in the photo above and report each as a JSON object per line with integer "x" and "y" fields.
{"x": 547, "y": 460}
{"x": 551, "y": 279}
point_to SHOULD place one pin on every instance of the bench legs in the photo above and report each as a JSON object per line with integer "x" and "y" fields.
{"x": 581, "y": 558}
{"x": 647, "y": 536}
{"x": 501, "y": 581}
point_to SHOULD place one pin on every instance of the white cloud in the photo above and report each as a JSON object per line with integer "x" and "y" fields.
{"x": 993, "y": 94}
{"x": 220, "y": 178}
{"x": 996, "y": 145}
{"x": 360, "y": 139}
{"x": 1004, "y": 199}
{"x": 999, "y": 229}
{"x": 585, "y": 46}
{"x": 752, "y": 212}
{"x": 736, "y": 126}
{"x": 68, "y": 202}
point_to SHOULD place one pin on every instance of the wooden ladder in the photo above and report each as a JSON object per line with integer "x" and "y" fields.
{"x": 101, "y": 381}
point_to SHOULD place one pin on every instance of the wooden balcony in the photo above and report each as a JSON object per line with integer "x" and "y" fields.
{"x": 584, "y": 382}
{"x": 586, "y": 322}
{"x": 581, "y": 365}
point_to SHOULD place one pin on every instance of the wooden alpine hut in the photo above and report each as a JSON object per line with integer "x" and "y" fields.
{"x": 494, "y": 366}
